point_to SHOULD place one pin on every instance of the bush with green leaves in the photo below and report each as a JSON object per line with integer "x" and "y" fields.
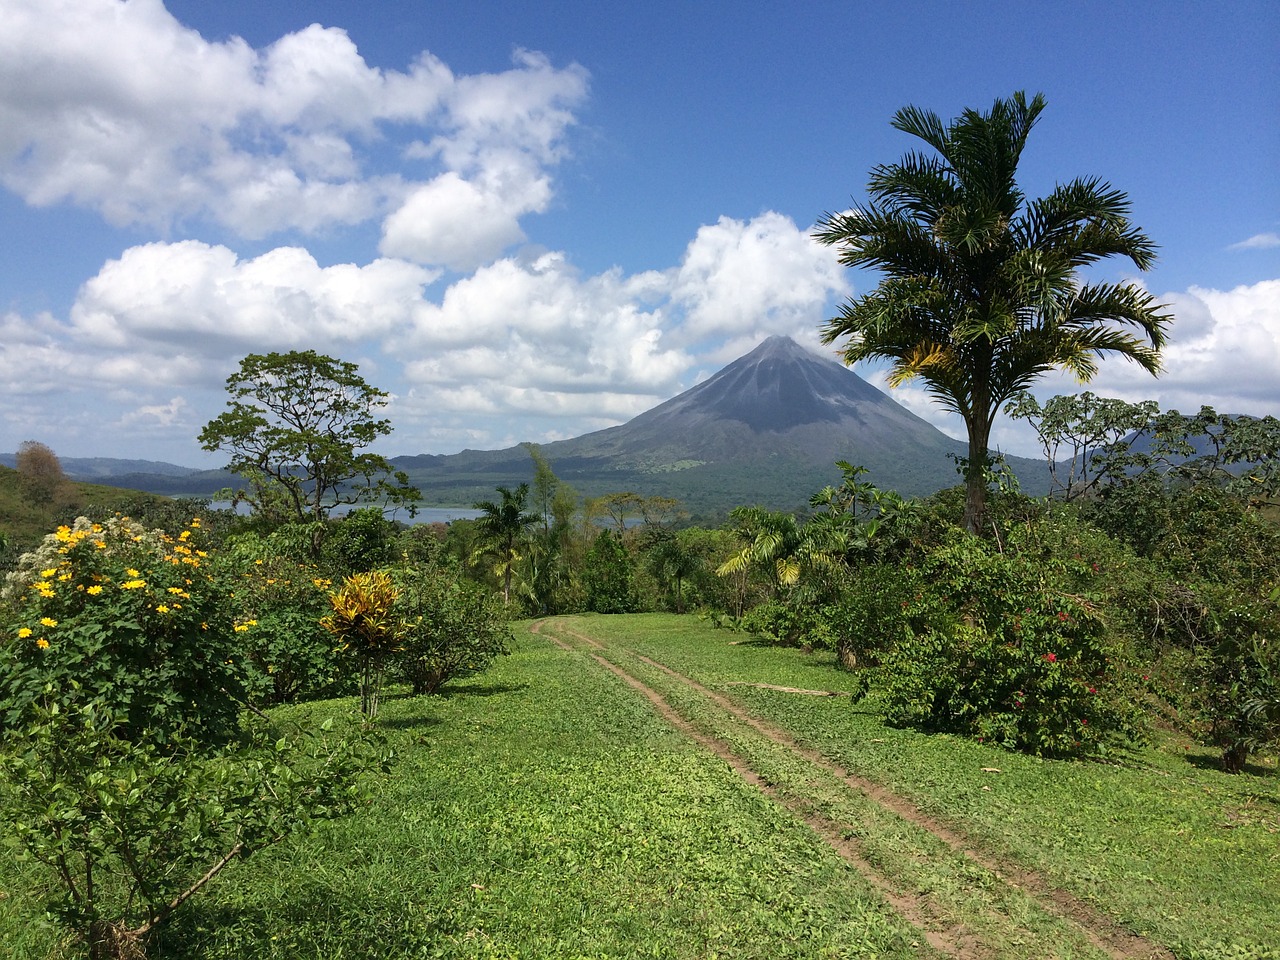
{"x": 456, "y": 627}
{"x": 362, "y": 540}
{"x": 788, "y": 623}
{"x": 131, "y": 620}
{"x": 867, "y": 620}
{"x": 128, "y": 770}
{"x": 1233, "y": 671}
{"x": 130, "y": 829}
{"x": 279, "y": 601}
{"x": 997, "y": 648}
{"x": 609, "y": 576}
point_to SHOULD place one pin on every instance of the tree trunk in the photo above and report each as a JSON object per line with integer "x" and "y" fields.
{"x": 1234, "y": 757}
{"x": 975, "y": 479}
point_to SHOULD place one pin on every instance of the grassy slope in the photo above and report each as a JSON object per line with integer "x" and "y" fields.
{"x": 541, "y": 810}
{"x": 1161, "y": 840}
{"x": 544, "y": 810}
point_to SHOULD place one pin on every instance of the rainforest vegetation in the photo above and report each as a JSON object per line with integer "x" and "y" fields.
{"x": 975, "y": 724}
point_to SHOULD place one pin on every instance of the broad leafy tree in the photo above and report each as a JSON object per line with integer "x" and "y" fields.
{"x": 40, "y": 470}
{"x": 295, "y": 427}
{"x": 981, "y": 291}
{"x": 1075, "y": 430}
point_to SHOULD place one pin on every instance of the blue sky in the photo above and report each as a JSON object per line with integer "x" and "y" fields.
{"x": 528, "y": 221}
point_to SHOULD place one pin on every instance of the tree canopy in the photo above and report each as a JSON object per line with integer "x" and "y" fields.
{"x": 981, "y": 291}
{"x": 294, "y": 425}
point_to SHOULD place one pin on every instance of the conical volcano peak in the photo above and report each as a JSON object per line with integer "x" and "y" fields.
{"x": 779, "y": 347}
{"x": 780, "y": 385}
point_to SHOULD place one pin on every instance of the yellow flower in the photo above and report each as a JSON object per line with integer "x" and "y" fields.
{"x": 63, "y": 534}
{"x": 94, "y": 590}
{"x": 42, "y": 643}
{"x": 24, "y": 632}
{"x": 162, "y": 609}
{"x": 48, "y": 573}
{"x": 184, "y": 535}
{"x": 133, "y": 573}
{"x": 48, "y": 622}
{"x": 133, "y": 584}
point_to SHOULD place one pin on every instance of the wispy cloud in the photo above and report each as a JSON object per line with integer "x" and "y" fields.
{"x": 1259, "y": 241}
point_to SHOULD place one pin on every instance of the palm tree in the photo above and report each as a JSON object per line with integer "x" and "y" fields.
{"x": 771, "y": 542}
{"x": 502, "y": 527}
{"x": 981, "y": 293}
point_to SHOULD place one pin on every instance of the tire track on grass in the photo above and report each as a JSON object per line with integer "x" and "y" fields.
{"x": 950, "y": 939}
{"x": 1100, "y": 930}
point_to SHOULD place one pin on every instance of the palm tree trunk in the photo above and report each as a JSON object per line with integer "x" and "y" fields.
{"x": 975, "y": 479}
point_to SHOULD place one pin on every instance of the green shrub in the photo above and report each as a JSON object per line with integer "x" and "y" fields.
{"x": 362, "y": 540}
{"x": 998, "y": 650}
{"x": 279, "y": 602}
{"x": 1235, "y": 676}
{"x": 456, "y": 627}
{"x": 125, "y": 768}
{"x": 609, "y": 577}
{"x": 128, "y": 830}
{"x": 787, "y": 622}
{"x": 869, "y": 620}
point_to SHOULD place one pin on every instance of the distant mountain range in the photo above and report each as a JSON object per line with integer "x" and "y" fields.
{"x": 767, "y": 429}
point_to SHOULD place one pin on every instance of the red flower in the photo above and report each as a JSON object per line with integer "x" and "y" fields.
{"x": 1063, "y": 617}
{"x": 1051, "y": 657}
{"x": 1093, "y": 689}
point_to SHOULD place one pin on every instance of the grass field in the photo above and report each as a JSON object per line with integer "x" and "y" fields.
{"x": 630, "y": 787}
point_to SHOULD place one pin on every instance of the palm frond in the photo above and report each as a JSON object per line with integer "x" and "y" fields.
{"x": 921, "y": 123}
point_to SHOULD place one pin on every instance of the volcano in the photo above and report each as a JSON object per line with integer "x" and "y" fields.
{"x": 767, "y": 429}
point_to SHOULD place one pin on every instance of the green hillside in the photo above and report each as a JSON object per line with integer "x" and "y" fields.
{"x": 24, "y": 519}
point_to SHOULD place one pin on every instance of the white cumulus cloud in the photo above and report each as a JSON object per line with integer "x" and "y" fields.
{"x": 758, "y": 276}
{"x": 203, "y": 300}
{"x": 120, "y": 108}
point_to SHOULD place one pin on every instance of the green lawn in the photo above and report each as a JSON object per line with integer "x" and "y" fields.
{"x": 1159, "y": 839}
{"x": 546, "y": 809}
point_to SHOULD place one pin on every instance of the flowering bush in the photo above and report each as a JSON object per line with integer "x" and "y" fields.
{"x": 279, "y": 601}
{"x": 124, "y": 766}
{"x": 998, "y": 649}
{"x": 128, "y": 619}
